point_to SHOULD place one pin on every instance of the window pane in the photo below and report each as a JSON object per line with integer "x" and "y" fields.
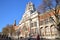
{"x": 31, "y": 24}
{"x": 35, "y": 23}
{"x": 41, "y": 22}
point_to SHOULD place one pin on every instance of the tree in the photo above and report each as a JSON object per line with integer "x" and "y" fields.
{"x": 52, "y": 6}
{"x": 8, "y": 30}
{"x": 49, "y": 5}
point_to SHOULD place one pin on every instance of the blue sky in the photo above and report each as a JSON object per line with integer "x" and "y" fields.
{"x": 13, "y": 9}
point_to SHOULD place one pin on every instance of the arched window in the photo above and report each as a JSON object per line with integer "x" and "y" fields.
{"x": 25, "y": 28}
{"x": 42, "y": 31}
{"x": 51, "y": 25}
{"x": 46, "y": 26}
{"x": 47, "y": 30}
{"x": 41, "y": 27}
{"x": 53, "y": 30}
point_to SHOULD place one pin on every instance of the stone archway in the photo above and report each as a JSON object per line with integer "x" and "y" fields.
{"x": 53, "y": 30}
{"x": 42, "y": 31}
{"x": 24, "y": 31}
{"x": 46, "y": 30}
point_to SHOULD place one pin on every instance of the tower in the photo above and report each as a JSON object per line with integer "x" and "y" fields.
{"x": 14, "y": 23}
{"x": 30, "y": 7}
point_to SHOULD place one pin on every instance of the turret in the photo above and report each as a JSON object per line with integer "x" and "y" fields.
{"x": 14, "y": 23}
{"x": 30, "y": 7}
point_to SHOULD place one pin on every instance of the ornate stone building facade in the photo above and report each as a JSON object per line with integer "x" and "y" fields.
{"x": 34, "y": 23}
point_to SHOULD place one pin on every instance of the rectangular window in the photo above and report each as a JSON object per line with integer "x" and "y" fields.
{"x": 35, "y": 24}
{"x": 51, "y": 19}
{"x": 31, "y": 24}
{"x": 46, "y": 21}
{"x": 59, "y": 16}
{"x": 41, "y": 22}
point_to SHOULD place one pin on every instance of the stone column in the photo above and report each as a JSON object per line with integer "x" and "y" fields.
{"x": 50, "y": 31}
{"x": 45, "y": 31}
{"x": 38, "y": 26}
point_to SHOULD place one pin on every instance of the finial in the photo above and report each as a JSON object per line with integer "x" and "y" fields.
{"x": 30, "y": 2}
{"x": 30, "y": 6}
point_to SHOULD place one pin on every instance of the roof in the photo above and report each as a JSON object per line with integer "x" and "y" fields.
{"x": 46, "y": 15}
{"x": 15, "y": 27}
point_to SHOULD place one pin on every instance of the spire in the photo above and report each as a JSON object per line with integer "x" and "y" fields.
{"x": 30, "y": 6}
{"x": 14, "y": 23}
